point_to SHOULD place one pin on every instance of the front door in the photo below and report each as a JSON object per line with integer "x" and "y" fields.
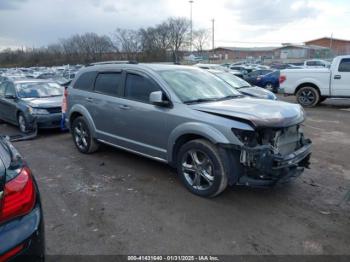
{"x": 144, "y": 124}
{"x": 8, "y": 103}
{"x": 340, "y": 81}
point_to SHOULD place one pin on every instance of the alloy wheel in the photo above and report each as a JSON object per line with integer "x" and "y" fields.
{"x": 22, "y": 124}
{"x": 81, "y": 136}
{"x": 307, "y": 97}
{"x": 198, "y": 170}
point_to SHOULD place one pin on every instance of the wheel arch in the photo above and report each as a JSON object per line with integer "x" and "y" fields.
{"x": 191, "y": 131}
{"x": 80, "y": 111}
{"x": 307, "y": 84}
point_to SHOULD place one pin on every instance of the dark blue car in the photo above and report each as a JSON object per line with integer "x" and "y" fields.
{"x": 269, "y": 81}
{"x": 21, "y": 217}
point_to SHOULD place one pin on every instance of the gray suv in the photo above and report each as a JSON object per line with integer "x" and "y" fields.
{"x": 192, "y": 120}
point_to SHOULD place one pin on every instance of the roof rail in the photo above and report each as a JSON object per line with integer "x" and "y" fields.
{"x": 116, "y": 62}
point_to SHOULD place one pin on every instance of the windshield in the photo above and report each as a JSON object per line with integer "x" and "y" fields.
{"x": 192, "y": 85}
{"x": 39, "y": 90}
{"x": 232, "y": 80}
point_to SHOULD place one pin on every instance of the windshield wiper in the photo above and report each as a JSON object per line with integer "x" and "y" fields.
{"x": 201, "y": 100}
{"x": 229, "y": 97}
{"x": 243, "y": 87}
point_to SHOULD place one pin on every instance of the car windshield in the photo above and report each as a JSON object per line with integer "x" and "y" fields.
{"x": 232, "y": 80}
{"x": 39, "y": 90}
{"x": 192, "y": 85}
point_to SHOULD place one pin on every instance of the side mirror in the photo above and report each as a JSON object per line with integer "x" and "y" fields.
{"x": 157, "y": 98}
{"x": 10, "y": 96}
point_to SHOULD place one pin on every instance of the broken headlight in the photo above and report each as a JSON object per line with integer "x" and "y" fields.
{"x": 248, "y": 138}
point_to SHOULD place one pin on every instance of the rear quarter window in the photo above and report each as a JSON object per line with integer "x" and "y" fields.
{"x": 85, "y": 81}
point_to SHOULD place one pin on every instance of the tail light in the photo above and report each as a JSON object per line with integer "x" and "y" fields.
{"x": 19, "y": 196}
{"x": 282, "y": 79}
{"x": 5, "y": 257}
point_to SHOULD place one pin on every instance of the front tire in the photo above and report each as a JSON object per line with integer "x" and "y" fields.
{"x": 82, "y": 136}
{"x": 201, "y": 168}
{"x": 308, "y": 96}
{"x": 23, "y": 123}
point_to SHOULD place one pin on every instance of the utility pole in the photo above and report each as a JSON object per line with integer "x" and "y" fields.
{"x": 191, "y": 3}
{"x": 213, "y": 33}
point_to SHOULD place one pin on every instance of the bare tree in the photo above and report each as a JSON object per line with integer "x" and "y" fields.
{"x": 179, "y": 30}
{"x": 201, "y": 39}
{"x": 128, "y": 41}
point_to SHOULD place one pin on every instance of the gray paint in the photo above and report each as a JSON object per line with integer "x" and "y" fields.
{"x": 153, "y": 130}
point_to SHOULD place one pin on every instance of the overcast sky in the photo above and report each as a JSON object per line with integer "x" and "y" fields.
{"x": 238, "y": 22}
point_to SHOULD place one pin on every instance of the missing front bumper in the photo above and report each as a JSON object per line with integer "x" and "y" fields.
{"x": 265, "y": 168}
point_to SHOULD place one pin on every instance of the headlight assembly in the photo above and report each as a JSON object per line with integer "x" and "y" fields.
{"x": 38, "y": 111}
{"x": 248, "y": 138}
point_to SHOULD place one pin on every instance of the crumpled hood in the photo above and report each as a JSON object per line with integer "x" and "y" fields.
{"x": 258, "y": 92}
{"x": 259, "y": 112}
{"x": 45, "y": 102}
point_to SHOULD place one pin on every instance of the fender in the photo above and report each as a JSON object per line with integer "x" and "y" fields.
{"x": 85, "y": 113}
{"x": 201, "y": 129}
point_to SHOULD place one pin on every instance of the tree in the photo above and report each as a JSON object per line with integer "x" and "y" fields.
{"x": 127, "y": 41}
{"x": 179, "y": 34}
{"x": 201, "y": 39}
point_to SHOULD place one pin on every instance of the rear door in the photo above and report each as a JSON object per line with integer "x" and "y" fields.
{"x": 341, "y": 79}
{"x": 105, "y": 105}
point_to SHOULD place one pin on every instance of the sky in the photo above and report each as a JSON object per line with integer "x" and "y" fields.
{"x": 35, "y": 23}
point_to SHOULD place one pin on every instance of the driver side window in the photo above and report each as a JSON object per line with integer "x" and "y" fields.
{"x": 139, "y": 88}
{"x": 2, "y": 89}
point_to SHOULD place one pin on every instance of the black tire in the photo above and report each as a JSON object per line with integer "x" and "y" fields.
{"x": 269, "y": 86}
{"x": 322, "y": 99}
{"x": 82, "y": 137}
{"x": 23, "y": 124}
{"x": 308, "y": 96}
{"x": 211, "y": 175}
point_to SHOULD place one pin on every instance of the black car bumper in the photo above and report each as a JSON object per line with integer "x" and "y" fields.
{"x": 48, "y": 121}
{"x": 268, "y": 169}
{"x": 25, "y": 233}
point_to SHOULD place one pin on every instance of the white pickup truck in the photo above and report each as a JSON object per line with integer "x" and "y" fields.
{"x": 313, "y": 86}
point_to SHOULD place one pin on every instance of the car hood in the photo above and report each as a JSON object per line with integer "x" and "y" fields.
{"x": 257, "y": 112}
{"x": 45, "y": 102}
{"x": 257, "y": 92}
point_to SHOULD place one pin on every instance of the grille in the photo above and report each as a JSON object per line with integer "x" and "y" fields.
{"x": 54, "y": 110}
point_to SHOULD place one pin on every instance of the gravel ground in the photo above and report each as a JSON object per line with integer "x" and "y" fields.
{"x": 113, "y": 202}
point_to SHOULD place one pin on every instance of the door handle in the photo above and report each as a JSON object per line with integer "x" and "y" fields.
{"x": 89, "y": 99}
{"x": 124, "y": 107}
{"x": 337, "y": 77}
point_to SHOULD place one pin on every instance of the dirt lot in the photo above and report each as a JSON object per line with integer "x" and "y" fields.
{"x": 114, "y": 202}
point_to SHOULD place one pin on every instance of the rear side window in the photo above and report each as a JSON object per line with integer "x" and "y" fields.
{"x": 139, "y": 88}
{"x": 85, "y": 81}
{"x": 108, "y": 83}
{"x": 344, "y": 65}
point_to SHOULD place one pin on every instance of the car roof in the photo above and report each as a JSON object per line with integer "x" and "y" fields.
{"x": 153, "y": 67}
{"x": 22, "y": 81}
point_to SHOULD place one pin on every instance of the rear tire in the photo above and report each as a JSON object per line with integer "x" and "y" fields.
{"x": 308, "y": 96}
{"x": 202, "y": 169}
{"x": 82, "y": 136}
{"x": 322, "y": 99}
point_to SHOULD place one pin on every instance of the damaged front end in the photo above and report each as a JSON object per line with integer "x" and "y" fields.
{"x": 272, "y": 156}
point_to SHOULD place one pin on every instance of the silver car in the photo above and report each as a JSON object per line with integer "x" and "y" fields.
{"x": 192, "y": 120}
